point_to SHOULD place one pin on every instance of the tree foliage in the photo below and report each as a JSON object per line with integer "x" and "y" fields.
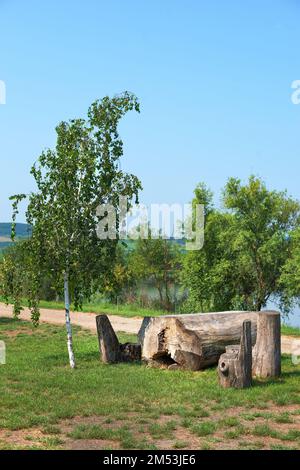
{"x": 121, "y": 277}
{"x": 290, "y": 278}
{"x": 158, "y": 260}
{"x": 246, "y": 246}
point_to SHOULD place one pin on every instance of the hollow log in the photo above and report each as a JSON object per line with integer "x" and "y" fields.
{"x": 192, "y": 341}
{"x": 235, "y": 365}
{"x": 110, "y": 348}
{"x": 267, "y": 350}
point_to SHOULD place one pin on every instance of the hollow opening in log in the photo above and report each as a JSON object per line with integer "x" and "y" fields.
{"x": 164, "y": 358}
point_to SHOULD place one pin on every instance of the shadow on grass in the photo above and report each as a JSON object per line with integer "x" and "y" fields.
{"x": 268, "y": 382}
{"x": 294, "y": 373}
{"x": 88, "y": 356}
{"x": 10, "y": 321}
{"x": 279, "y": 381}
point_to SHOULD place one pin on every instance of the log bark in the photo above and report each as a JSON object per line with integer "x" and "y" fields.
{"x": 267, "y": 350}
{"x": 193, "y": 341}
{"x": 235, "y": 366}
{"x": 111, "y": 350}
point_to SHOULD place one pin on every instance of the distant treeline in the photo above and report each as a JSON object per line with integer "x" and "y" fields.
{"x": 23, "y": 231}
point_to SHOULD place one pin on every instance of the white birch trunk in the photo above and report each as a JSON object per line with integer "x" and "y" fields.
{"x": 68, "y": 322}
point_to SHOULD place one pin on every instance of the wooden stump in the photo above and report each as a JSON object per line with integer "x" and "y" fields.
{"x": 192, "y": 341}
{"x": 111, "y": 350}
{"x": 267, "y": 350}
{"x": 235, "y": 366}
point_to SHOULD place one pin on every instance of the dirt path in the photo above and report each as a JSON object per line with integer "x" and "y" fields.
{"x": 85, "y": 320}
{"x": 289, "y": 345}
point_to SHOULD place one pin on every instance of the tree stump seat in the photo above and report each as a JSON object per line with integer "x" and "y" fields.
{"x": 235, "y": 365}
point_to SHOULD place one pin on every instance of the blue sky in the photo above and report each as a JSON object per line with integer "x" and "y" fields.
{"x": 213, "y": 77}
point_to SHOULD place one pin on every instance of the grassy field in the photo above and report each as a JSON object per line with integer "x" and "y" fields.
{"x": 46, "y": 405}
{"x": 290, "y": 330}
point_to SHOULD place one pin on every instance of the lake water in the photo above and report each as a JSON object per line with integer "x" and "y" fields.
{"x": 292, "y": 320}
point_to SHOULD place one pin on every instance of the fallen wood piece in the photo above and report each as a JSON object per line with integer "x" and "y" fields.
{"x": 111, "y": 350}
{"x": 130, "y": 352}
{"x": 235, "y": 365}
{"x": 267, "y": 350}
{"x": 192, "y": 341}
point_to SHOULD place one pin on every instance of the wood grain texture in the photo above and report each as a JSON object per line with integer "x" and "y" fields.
{"x": 267, "y": 350}
{"x": 235, "y": 365}
{"x": 193, "y": 341}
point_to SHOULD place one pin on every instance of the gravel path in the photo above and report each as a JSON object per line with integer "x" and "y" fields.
{"x": 289, "y": 345}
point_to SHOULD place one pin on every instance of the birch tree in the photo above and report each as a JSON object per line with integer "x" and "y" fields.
{"x": 72, "y": 180}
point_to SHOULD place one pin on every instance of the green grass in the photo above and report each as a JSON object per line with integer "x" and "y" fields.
{"x": 229, "y": 421}
{"x": 263, "y": 430}
{"x": 204, "y": 429}
{"x": 122, "y": 434}
{"x": 235, "y": 433}
{"x": 38, "y": 389}
{"x": 290, "y": 330}
{"x": 256, "y": 445}
{"x": 282, "y": 447}
{"x": 283, "y": 418}
{"x": 162, "y": 430}
{"x": 180, "y": 444}
{"x": 95, "y": 431}
{"x": 51, "y": 429}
